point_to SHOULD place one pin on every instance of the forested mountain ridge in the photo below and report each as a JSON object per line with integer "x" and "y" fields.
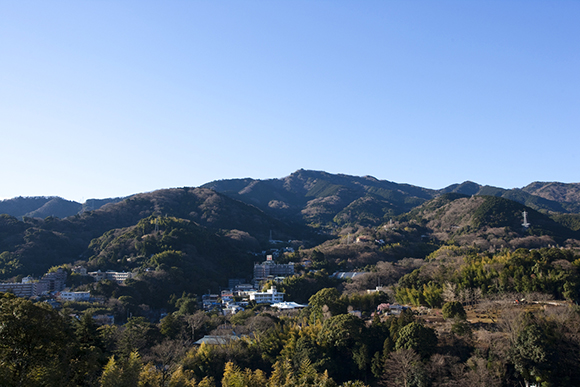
{"x": 321, "y": 198}
{"x": 31, "y": 246}
{"x": 297, "y": 207}
{"x": 489, "y": 222}
{"x": 43, "y": 206}
{"x": 560, "y": 192}
{"x": 316, "y": 197}
{"x": 542, "y": 196}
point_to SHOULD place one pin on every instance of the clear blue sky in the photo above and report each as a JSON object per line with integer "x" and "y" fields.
{"x": 110, "y": 98}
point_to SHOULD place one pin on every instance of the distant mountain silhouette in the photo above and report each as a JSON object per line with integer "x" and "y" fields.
{"x": 20, "y": 206}
{"x": 43, "y": 206}
{"x": 316, "y": 197}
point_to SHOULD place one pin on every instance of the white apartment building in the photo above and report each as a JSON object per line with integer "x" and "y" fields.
{"x": 270, "y": 296}
{"x": 75, "y": 296}
{"x": 117, "y": 276}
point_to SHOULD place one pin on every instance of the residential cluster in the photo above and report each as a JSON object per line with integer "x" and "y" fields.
{"x": 230, "y": 301}
{"x": 240, "y": 294}
{"x": 52, "y": 284}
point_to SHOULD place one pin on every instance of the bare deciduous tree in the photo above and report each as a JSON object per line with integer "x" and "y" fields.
{"x": 196, "y": 321}
{"x": 400, "y": 368}
{"x": 165, "y": 356}
{"x": 478, "y": 375}
{"x": 449, "y": 293}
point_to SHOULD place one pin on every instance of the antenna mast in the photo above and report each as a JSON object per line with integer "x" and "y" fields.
{"x": 525, "y": 224}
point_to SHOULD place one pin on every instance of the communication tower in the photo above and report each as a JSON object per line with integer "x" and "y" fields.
{"x": 525, "y": 224}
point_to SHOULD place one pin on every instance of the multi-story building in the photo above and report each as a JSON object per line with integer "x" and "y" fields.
{"x": 270, "y": 269}
{"x": 270, "y": 296}
{"x": 51, "y": 282}
{"x": 243, "y": 290}
{"x": 75, "y": 296}
{"x": 117, "y": 276}
{"x": 19, "y": 289}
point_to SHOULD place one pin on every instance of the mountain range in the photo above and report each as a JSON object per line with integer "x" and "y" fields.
{"x": 322, "y": 198}
{"x": 307, "y": 207}
{"x": 318, "y": 197}
{"x": 43, "y": 206}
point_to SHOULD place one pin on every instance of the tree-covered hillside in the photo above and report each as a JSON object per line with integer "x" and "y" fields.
{"x": 31, "y": 246}
{"x": 490, "y": 222}
{"x": 324, "y": 199}
{"x": 488, "y": 301}
{"x": 328, "y": 200}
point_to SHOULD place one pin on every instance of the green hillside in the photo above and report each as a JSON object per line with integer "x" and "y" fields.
{"x": 34, "y": 245}
{"x": 322, "y": 199}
